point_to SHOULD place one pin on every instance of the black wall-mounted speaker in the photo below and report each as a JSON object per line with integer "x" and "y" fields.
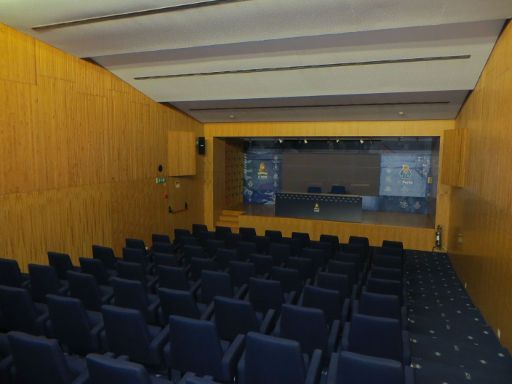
{"x": 201, "y": 145}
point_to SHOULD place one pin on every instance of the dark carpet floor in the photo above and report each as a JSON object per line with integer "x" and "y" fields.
{"x": 451, "y": 343}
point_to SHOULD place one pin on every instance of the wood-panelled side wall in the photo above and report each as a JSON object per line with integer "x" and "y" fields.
{"x": 480, "y": 244}
{"x": 234, "y": 171}
{"x": 79, "y": 153}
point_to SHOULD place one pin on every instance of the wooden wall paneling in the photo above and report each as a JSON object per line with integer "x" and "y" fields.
{"x": 17, "y": 60}
{"x": 181, "y": 153}
{"x": 480, "y": 245}
{"x": 219, "y": 178}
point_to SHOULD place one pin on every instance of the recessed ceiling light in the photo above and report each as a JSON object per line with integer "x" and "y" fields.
{"x": 305, "y": 141}
{"x": 401, "y": 113}
{"x": 361, "y": 141}
{"x": 231, "y": 116}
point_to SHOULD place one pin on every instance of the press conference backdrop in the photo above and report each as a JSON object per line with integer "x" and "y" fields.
{"x": 390, "y": 175}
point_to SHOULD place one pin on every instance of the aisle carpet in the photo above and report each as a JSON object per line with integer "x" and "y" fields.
{"x": 451, "y": 343}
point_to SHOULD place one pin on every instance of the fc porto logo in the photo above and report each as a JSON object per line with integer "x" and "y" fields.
{"x": 316, "y": 208}
{"x": 262, "y": 171}
{"x": 405, "y": 172}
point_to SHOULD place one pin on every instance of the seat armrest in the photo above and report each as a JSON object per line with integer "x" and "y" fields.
{"x": 266, "y": 324}
{"x": 123, "y": 357}
{"x": 97, "y": 329}
{"x": 195, "y": 287}
{"x": 406, "y": 348}
{"x": 242, "y": 291}
{"x": 409, "y": 375}
{"x": 232, "y": 355}
{"x": 63, "y": 290}
{"x": 292, "y": 295}
{"x": 208, "y": 312}
{"x": 313, "y": 372}
{"x": 332, "y": 373}
{"x": 334, "y": 335}
{"x": 403, "y": 313}
{"x": 158, "y": 342}
{"x": 153, "y": 307}
{"x": 82, "y": 379}
{"x": 241, "y": 370}
{"x": 344, "y": 338}
{"x": 344, "y": 311}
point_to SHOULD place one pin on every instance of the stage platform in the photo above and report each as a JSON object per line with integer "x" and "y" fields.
{"x": 415, "y": 231}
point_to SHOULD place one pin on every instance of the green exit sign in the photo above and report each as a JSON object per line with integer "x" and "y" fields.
{"x": 160, "y": 180}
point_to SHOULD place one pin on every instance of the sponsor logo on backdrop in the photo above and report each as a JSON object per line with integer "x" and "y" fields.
{"x": 262, "y": 171}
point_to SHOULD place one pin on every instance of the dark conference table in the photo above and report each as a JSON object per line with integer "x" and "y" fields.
{"x": 320, "y": 206}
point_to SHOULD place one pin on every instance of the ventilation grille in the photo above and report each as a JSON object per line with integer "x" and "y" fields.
{"x": 129, "y": 15}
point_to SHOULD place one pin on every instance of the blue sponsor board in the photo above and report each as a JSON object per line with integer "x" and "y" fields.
{"x": 405, "y": 174}
{"x": 262, "y": 176}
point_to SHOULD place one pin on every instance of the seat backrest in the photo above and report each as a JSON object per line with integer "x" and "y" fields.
{"x": 169, "y": 260}
{"x": 289, "y": 278}
{"x": 39, "y": 360}
{"x": 348, "y": 257}
{"x": 224, "y": 255}
{"x": 85, "y": 287}
{"x": 247, "y": 233}
{"x": 61, "y": 262}
{"x": 375, "y": 336}
{"x": 194, "y": 251}
{"x": 262, "y": 263}
{"x": 197, "y": 228}
{"x": 265, "y": 294}
{"x": 106, "y": 370}
{"x": 95, "y": 268}
{"x": 127, "y": 332}
{"x": 343, "y": 268}
{"x": 135, "y": 255}
{"x": 354, "y": 368}
{"x": 234, "y": 317}
{"x": 130, "y": 294}
{"x": 274, "y": 236}
{"x": 135, "y": 244}
{"x": 245, "y": 248}
{"x": 18, "y": 310}
{"x": 387, "y": 287}
{"x": 199, "y": 264}
{"x": 281, "y": 358}
{"x": 215, "y": 284}
{"x": 392, "y": 244}
{"x": 179, "y": 233}
{"x": 241, "y": 272}
{"x": 163, "y": 247}
{"x": 189, "y": 240}
{"x": 195, "y": 346}
{"x": 232, "y": 240}
{"x": 221, "y": 232}
{"x": 10, "y": 273}
{"x": 335, "y": 282}
{"x": 212, "y": 245}
{"x": 295, "y": 320}
{"x": 172, "y": 277}
{"x": 70, "y": 324}
{"x": 317, "y": 256}
{"x": 160, "y": 238}
{"x": 43, "y": 280}
{"x": 380, "y": 260}
{"x": 389, "y": 251}
{"x": 179, "y": 303}
{"x": 294, "y": 243}
{"x": 131, "y": 271}
{"x": 387, "y": 273}
{"x": 327, "y": 300}
{"x": 333, "y": 239}
{"x": 359, "y": 240}
{"x": 314, "y": 189}
{"x": 280, "y": 252}
{"x": 303, "y": 237}
{"x": 377, "y": 304}
{"x": 262, "y": 243}
{"x": 338, "y": 189}
{"x": 105, "y": 254}
{"x": 302, "y": 264}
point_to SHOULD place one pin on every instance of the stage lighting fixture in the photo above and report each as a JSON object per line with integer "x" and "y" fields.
{"x": 361, "y": 141}
{"x": 280, "y": 141}
{"x": 305, "y": 141}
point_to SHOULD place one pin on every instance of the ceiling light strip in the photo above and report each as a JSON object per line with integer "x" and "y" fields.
{"x": 303, "y": 67}
{"x": 128, "y": 15}
{"x": 320, "y": 106}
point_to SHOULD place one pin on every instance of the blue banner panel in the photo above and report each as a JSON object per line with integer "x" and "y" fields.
{"x": 262, "y": 176}
{"x": 405, "y": 174}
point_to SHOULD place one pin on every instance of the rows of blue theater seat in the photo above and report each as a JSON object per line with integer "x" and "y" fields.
{"x": 234, "y": 285}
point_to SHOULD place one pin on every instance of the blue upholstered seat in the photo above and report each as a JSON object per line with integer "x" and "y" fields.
{"x": 61, "y": 262}
{"x": 274, "y": 360}
{"x": 353, "y": 368}
{"x": 11, "y": 275}
{"x": 126, "y": 333}
{"x": 181, "y": 303}
{"x": 44, "y": 280}
{"x": 314, "y": 189}
{"x": 96, "y": 268}
{"x": 194, "y": 346}
{"x": 331, "y": 302}
{"x": 85, "y": 287}
{"x": 106, "y": 255}
{"x": 132, "y": 294}
{"x": 39, "y": 360}
{"x": 74, "y": 327}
